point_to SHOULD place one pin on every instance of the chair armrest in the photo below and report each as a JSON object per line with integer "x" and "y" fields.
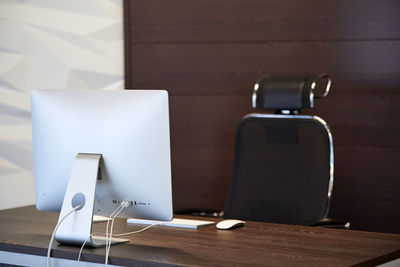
{"x": 328, "y": 223}
{"x": 202, "y": 213}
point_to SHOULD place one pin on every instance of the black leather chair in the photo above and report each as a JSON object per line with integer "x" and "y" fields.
{"x": 283, "y": 169}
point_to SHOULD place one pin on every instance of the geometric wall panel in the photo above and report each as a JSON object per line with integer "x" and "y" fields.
{"x": 45, "y": 44}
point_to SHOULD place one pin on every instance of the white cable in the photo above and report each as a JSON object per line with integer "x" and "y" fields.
{"x": 108, "y": 221}
{"x": 80, "y": 251}
{"x": 55, "y": 230}
{"x": 123, "y": 205}
{"x": 120, "y": 207}
{"x": 139, "y": 231}
{"x": 108, "y": 236}
{"x": 116, "y": 235}
{"x": 109, "y": 240}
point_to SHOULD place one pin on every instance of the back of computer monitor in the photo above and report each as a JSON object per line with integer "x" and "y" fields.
{"x": 128, "y": 128}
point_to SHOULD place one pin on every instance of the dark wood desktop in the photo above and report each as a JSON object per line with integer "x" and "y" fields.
{"x": 27, "y": 231}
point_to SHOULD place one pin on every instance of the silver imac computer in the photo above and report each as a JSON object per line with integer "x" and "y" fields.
{"x": 100, "y": 148}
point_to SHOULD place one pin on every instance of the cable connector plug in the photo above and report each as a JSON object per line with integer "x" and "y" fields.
{"x": 124, "y": 203}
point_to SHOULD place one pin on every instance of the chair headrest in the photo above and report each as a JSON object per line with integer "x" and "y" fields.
{"x": 290, "y": 93}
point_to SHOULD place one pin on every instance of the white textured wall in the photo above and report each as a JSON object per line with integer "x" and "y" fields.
{"x": 47, "y": 44}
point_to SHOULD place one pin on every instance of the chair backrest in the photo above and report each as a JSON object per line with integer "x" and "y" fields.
{"x": 283, "y": 169}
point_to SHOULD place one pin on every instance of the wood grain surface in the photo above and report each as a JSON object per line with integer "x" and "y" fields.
{"x": 255, "y": 244}
{"x": 208, "y": 55}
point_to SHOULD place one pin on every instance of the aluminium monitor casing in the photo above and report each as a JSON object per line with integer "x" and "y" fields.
{"x": 128, "y": 128}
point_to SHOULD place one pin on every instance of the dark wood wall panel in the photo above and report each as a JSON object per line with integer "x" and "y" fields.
{"x": 208, "y": 55}
{"x": 201, "y": 176}
{"x": 259, "y": 21}
{"x": 354, "y": 119}
{"x": 206, "y": 120}
{"x": 234, "y": 68}
{"x": 367, "y": 187}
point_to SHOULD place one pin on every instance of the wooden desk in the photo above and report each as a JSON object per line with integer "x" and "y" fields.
{"x": 27, "y": 231}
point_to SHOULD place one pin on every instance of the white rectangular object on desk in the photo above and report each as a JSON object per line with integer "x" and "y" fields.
{"x": 180, "y": 223}
{"x": 99, "y": 219}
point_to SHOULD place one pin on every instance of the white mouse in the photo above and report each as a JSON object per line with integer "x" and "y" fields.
{"x": 229, "y": 224}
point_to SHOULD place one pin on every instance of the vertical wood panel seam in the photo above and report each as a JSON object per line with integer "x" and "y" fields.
{"x": 127, "y": 38}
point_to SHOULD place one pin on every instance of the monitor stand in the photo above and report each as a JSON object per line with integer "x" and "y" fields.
{"x": 76, "y": 229}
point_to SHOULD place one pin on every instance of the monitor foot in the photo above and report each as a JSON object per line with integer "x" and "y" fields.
{"x": 100, "y": 241}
